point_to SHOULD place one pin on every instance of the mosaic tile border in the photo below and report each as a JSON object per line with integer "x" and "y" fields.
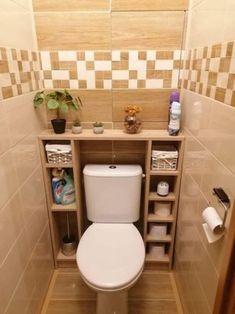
{"x": 19, "y": 72}
{"x": 115, "y": 69}
{"x": 210, "y": 71}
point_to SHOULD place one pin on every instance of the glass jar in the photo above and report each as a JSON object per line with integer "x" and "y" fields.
{"x": 132, "y": 124}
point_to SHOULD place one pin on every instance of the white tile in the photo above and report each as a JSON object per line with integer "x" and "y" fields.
{"x": 89, "y": 55}
{"x": 103, "y": 65}
{"x": 164, "y": 65}
{"x": 154, "y": 83}
{"x": 232, "y": 65}
{"x": 132, "y": 84}
{"x": 25, "y": 66}
{"x": 120, "y": 75}
{"x": 107, "y": 84}
{"x": 222, "y": 80}
{"x": 13, "y": 66}
{"x": 5, "y": 79}
{"x": 141, "y": 74}
{"x": 45, "y": 60}
{"x": 175, "y": 79}
{"x": 91, "y": 80}
{"x": 214, "y": 64}
{"x": 73, "y": 84}
{"x": 151, "y": 55}
{"x": 67, "y": 56}
{"x": 48, "y": 84}
{"x": 60, "y": 74}
{"x": 116, "y": 55}
{"x": 177, "y": 54}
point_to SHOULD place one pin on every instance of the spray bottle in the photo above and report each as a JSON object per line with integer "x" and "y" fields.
{"x": 175, "y": 113}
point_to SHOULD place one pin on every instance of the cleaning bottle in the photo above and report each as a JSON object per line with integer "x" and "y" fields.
{"x": 174, "y": 96}
{"x": 175, "y": 113}
{"x": 58, "y": 184}
{"x": 68, "y": 192}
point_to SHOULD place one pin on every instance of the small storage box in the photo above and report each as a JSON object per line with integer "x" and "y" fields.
{"x": 58, "y": 154}
{"x": 164, "y": 158}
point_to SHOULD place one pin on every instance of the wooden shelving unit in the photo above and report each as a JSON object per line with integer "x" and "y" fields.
{"x": 113, "y": 146}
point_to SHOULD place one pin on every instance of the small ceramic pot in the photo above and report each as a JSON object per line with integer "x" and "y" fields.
{"x": 76, "y": 129}
{"x": 58, "y": 125}
{"x": 98, "y": 129}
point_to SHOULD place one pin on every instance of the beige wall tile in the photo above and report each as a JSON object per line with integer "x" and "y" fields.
{"x": 132, "y": 5}
{"x": 147, "y": 30}
{"x": 153, "y": 102}
{"x": 70, "y": 5}
{"x": 73, "y": 31}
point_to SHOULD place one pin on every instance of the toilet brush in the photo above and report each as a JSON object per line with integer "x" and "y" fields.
{"x": 68, "y": 241}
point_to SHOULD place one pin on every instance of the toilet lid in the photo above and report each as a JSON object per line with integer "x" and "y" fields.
{"x": 110, "y": 255}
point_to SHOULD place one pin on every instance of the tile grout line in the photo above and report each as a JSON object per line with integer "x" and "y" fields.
{"x": 49, "y": 292}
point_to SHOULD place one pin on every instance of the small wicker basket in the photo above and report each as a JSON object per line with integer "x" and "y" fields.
{"x": 164, "y": 158}
{"x": 58, "y": 154}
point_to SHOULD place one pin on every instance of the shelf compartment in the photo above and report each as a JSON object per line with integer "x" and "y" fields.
{"x": 68, "y": 165}
{"x": 166, "y": 239}
{"x": 150, "y": 258}
{"x": 164, "y": 172}
{"x": 61, "y": 257}
{"x": 63, "y": 208}
{"x": 157, "y": 218}
{"x": 153, "y": 196}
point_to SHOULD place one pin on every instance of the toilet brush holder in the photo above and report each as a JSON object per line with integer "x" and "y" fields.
{"x": 68, "y": 246}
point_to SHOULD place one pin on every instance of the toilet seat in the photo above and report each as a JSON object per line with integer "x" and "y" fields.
{"x": 110, "y": 256}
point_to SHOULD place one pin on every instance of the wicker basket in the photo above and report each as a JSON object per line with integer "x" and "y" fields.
{"x": 164, "y": 158}
{"x": 58, "y": 154}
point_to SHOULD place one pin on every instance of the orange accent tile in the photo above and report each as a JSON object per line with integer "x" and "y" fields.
{"x": 142, "y": 55}
{"x": 151, "y": 65}
{"x": 141, "y": 84}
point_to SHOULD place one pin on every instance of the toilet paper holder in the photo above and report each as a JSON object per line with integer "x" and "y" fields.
{"x": 224, "y": 201}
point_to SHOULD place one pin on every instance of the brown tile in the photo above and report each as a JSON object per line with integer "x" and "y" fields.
{"x": 90, "y": 65}
{"x": 24, "y": 55}
{"x": 231, "y": 81}
{"x": 47, "y": 75}
{"x": 68, "y": 65}
{"x": 151, "y": 65}
{"x": 34, "y": 56}
{"x": 163, "y": 74}
{"x": 207, "y": 65}
{"x": 124, "y": 55}
{"x": 71, "y": 307}
{"x": 90, "y": 31}
{"x": 20, "y": 67}
{"x": 192, "y": 86}
{"x": 208, "y": 91}
{"x": 141, "y": 83}
{"x": 120, "y": 65}
{"x": 216, "y": 51}
{"x": 229, "y": 50}
{"x": 167, "y": 83}
{"x": 142, "y": 55}
{"x": 70, "y": 5}
{"x": 80, "y": 55}
{"x": 19, "y": 89}
{"x": 3, "y": 53}
{"x": 7, "y": 92}
{"x": 165, "y": 55}
{"x": 147, "y": 30}
{"x": 4, "y": 66}
{"x": 152, "y": 307}
{"x": 13, "y": 54}
{"x": 212, "y": 78}
{"x": 13, "y": 78}
{"x": 220, "y": 94}
{"x": 103, "y": 75}
{"x": 224, "y": 64}
{"x": 205, "y": 50}
{"x": 24, "y": 77}
{"x": 82, "y": 84}
{"x": 99, "y": 84}
{"x": 200, "y": 88}
{"x": 133, "y": 75}
{"x": 233, "y": 99}
{"x": 176, "y": 64}
{"x": 102, "y": 55}
{"x": 139, "y": 5}
{"x": 120, "y": 84}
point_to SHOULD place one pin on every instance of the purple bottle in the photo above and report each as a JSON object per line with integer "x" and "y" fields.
{"x": 174, "y": 96}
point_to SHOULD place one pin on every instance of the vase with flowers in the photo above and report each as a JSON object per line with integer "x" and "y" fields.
{"x": 132, "y": 124}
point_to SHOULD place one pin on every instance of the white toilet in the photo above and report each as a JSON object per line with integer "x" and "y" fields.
{"x": 111, "y": 253}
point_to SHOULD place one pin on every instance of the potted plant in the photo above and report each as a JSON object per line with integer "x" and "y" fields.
{"x": 76, "y": 127}
{"x": 61, "y": 101}
{"x": 98, "y": 127}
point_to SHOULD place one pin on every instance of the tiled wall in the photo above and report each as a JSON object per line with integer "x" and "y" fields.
{"x": 208, "y": 119}
{"x": 25, "y": 248}
{"x": 112, "y": 46}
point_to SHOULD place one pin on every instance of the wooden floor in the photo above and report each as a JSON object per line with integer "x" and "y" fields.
{"x": 154, "y": 293}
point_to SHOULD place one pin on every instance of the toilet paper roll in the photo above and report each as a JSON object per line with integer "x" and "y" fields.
{"x": 162, "y": 209}
{"x": 212, "y": 219}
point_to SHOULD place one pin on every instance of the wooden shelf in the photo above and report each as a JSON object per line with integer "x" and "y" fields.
{"x": 157, "y": 218}
{"x": 61, "y": 257}
{"x": 68, "y": 165}
{"x": 164, "y": 172}
{"x": 63, "y": 208}
{"x": 166, "y": 239}
{"x": 150, "y": 258}
{"x": 153, "y": 196}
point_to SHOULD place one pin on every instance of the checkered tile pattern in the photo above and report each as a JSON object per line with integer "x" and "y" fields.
{"x": 110, "y": 69}
{"x": 210, "y": 71}
{"x": 19, "y": 72}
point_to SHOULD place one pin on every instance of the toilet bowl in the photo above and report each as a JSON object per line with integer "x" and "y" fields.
{"x": 110, "y": 258}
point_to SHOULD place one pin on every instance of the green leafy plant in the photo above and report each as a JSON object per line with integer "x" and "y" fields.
{"x": 97, "y": 124}
{"x": 76, "y": 122}
{"x": 61, "y": 101}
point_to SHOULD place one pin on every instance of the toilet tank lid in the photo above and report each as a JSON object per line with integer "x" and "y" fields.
{"x": 112, "y": 170}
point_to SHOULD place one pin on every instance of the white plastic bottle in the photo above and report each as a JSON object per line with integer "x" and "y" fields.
{"x": 175, "y": 114}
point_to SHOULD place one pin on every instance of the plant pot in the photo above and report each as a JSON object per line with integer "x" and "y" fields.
{"x": 68, "y": 246}
{"x": 98, "y": 129}
{"x": 58, "y": 125}
{"x": 76, "y": 129}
